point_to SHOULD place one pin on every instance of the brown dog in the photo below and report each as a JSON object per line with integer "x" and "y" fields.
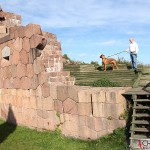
{"x": 106, "y": 61}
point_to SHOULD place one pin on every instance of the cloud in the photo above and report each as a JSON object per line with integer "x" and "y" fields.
{"x": 90, "y": 25}
{"x": 78, "y": 13}
{"x": 83, "y": 54}
{"x": 110, "y": 42}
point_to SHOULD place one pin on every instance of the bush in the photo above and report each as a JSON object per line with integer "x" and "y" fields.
{"x": 105, "y": 82}
{"x": 95, "y": 63}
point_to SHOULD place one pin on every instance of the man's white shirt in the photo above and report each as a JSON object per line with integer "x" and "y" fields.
{"x": 133, "y": 47}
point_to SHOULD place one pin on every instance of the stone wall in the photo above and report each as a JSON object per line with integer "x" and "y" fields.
{"x": 11, "y": 19}
{"x": 29, "y": 59}
{"x": 8, "y": 20}
{"x": 37, "y": 93}
{"x": 80, "y": 112}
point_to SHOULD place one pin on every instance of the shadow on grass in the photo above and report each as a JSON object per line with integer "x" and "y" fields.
{"x": 147, "y": 88}
{"x": 129, "y": 118}
{"x": 109, "y": 67}
{"x": 101, "y": 68}
{"x": 7, "y": 127}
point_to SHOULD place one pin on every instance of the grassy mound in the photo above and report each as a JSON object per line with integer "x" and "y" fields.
{"x": 15, "y": 137}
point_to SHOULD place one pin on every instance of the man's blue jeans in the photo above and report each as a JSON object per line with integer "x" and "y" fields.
{"x": 133, "y": 60}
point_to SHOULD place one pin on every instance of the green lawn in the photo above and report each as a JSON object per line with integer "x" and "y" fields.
{"x": 20, "y": 138}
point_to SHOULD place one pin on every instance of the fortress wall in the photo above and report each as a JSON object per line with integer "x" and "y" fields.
{"x": 37, "y": 93}
{"x": 11, "y": 19}
{"x": 79, "y": 112}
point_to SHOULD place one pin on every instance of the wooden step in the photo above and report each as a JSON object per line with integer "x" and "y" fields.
{"x": 143, "y": 83}
{"x": 145, "y": 77}
{"x": 144, "y": 122}
{"x": 142, "y": 107}
{"x": 141, "y": 115}
{"x": 141, "y": 129}
{"x": 142, "y": 100}
{"x": 139, "y": 136}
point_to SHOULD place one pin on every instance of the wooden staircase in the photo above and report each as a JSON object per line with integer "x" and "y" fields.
{"x": 140, "y": 124}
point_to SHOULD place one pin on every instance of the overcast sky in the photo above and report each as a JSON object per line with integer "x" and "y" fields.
{"x": 89, "y": 28}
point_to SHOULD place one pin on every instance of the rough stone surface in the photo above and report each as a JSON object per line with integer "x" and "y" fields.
{"x": 70, "y": 106}
{"x": 24, "y": 58}
{"x": 21, "y": 70}
{"x": 32, "y": 29}
{"x": 26, "y": 44}
{"x": 62, "y": 93}
{"x": 18, "y": 44}
{"x": 45, "y": 90}
{"x": 37, "y": 93}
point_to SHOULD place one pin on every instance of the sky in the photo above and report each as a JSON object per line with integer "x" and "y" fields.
{"x": 87, "y": 29}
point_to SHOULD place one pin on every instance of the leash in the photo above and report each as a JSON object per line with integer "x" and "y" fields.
{"x": 116, "y": 54}
{"x": 122, "y": 52}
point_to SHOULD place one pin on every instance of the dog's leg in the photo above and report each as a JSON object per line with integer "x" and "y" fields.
{"x": 116, "y": 65}
{"x": 113, "y": 66}
{"x": 104, "y": 67}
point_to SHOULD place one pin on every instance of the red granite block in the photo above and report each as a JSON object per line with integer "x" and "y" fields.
{"x": 53, "y": 74}
{"x": 38, "y": 41}
{"x": 5, "y": 63}
{"x": 26, "y": 44}
{"x": 53, "y": 79}
{"x": 12, "y": 32}
{"x": 15, "y": 57}
{"x": 7, "y": 72}
{"x": 70, "y": 106}
{"x": 17, "y": 83}
{"x": 25, "y": 83}
{"x": 2, "y": 29}
{"x": 43, "y": 77}
{"x": 32, "y": 29}
{"x": 24, "y": 57}
{"x": 18, "y": 44}
{"x": 13, "y": 70}
{"x": 45, "y": 90}
{"x": 16, "y": 34}
{"x": 7, "y": 84}
{"x": 38, "y": 66}
{"x": 12, "y": 29}
{"x": 1, "y": 82}
{"x": 35, "y": 40}
{"x": 35, "y": 82}
{"x": 58, "y": 106}
{"x": 30, "y": 71}
{"x": 21, "y": 70}
{"x": 21, "y": 31}
{"x": 66, "y": 73}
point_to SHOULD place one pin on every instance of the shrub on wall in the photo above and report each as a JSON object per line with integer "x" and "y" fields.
{"x": 105, "y": 82}
{"x": 95, "y": 63}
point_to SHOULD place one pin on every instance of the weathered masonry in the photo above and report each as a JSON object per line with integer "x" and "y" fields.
{"x": 37, "y": 93}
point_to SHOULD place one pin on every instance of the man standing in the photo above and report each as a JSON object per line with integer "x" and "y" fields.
{"x": 0, "y": 8}
{"x": 133, "y": 49}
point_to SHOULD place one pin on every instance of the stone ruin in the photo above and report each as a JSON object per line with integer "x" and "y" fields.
{"x": 43, "y": 96}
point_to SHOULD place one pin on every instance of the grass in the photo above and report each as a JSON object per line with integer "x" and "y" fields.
{"x": 20, "y": 138}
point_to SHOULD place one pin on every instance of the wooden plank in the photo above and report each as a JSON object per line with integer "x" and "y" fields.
{"x": 142, "y": 122}
{"x": 139, "y": 136}
{"x": 142, "y": 92}
{"x": 141, "y": 115}
{"x": 141, "y": 129}
{"x": 142, "y": 107}
{"x": 142, "y": 100}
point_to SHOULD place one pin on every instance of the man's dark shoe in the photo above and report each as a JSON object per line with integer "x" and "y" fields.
{"x": 135, "y": 71}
